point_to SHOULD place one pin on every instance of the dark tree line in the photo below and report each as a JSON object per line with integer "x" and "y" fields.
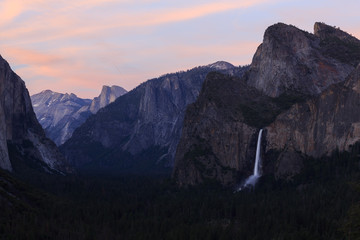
{"x": 323, "y": 202}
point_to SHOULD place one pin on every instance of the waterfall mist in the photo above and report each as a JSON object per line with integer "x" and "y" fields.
{"x": 252, "y": 180}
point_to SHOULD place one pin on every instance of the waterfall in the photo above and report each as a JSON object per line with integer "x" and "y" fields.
{"x": 251, "y": 181}
{"x": 258, "y": 155}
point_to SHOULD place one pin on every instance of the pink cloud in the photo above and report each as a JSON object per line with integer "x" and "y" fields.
{"x": 66, "y": 71}
{"x": 9, "y": 11}
{"x": 70, "y": 45}
{"x": 26, "y": 56}
{"x": 177, "y": 15}
{"x": 66, "y": 68}
{"x": 54, "y": 24}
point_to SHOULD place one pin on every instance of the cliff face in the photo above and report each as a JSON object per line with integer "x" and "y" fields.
{"x": 290, "y": 59}
{"x": 216, "y": 141}
{"x": 295, "y": 89}
{"x": 220, "y": 130}
{"x": 145, "y": 122}
{"x": 320, "y": 125}
{"x": 107, "y": 96}
{"x": 60, "y": 114}
{"x": 19, "y": 126}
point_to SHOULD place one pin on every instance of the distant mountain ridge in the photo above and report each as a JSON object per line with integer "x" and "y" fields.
{"x": 107, "y": 95}
{"x": 142, "y": 127}
{"x": 60, "y": 114}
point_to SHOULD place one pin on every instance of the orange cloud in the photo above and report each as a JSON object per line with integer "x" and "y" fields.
{"x": 64, "y": 71}
{"x": 65, "y": 77}
{"x": 9, "y": 11}
{"x": 54, "y": 24}
{"x": 26, "y": 56}
{"x": 83, "y": 64}
{"x": 70, "y": 45}
{"x": 70, "y": 69}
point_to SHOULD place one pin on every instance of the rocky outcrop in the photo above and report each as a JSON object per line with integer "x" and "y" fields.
{"x": 295, "y": 89}
{"x": 326, "y": 32}
{"x": 107, "y": 96}
{"x": 20, "y": 128}
{"x": 290, "y": 59}
{"x": 60, "y": 114}
{"x": 216, "y": 141}
{"x": 145, "y": 124}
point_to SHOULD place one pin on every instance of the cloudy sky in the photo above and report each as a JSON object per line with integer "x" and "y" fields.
{"x": 79, "y": 45}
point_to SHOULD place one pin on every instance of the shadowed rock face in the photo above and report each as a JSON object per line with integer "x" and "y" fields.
{"x": 299, "y": 88}
{"x": 215, "y": 140}
{"x": 322, "y": 124}
{"x": 145, "y": 122}
{"x": 60, "y": 114}
{"x": 292, "y": 59}
{"x": 19, "y": 126}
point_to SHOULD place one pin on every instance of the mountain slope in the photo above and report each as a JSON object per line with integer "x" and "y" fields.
{"x": 303, "y": 112}
{"x": 60, "y": 114}
{"x": 141, "y": 126}
{"x": 56, "y": 113}
{"x": 20, "y": 130}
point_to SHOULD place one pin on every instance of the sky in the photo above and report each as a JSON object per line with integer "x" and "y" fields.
{"x": 77, "y": 46}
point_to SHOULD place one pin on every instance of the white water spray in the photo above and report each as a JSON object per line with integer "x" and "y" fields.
{"x": 251, "y": 181}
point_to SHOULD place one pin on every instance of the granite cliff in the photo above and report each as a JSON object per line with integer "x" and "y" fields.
{"x": 290, "y": 59}
{"x": 60, "y": 114}
{"x": 216, "y": 140}
{"x": 301, "y": 88}
{"x": 20, "y": 132}
{"x": 142, "y": 128}
{"x": 107, "y": 96}
{"x": 318, "y": 126}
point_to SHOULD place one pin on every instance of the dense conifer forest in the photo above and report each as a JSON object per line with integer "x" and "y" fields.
{"x": 323, "y": 202}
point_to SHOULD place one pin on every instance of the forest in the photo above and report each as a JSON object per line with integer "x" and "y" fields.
{"x": 323, "y": 202}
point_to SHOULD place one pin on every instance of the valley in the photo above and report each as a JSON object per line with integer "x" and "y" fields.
{"x": 269, "y": 150}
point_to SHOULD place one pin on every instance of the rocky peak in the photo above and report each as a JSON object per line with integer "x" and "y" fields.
{"x": 55, "y": 112}
{"x": 71, "y": 95}
{"x": 47, "y": 92}
{"x": 221, "y": 65}
{"x": 60, "y": 114}
{"x": 281, "y": 35}
{"x": 337, "y": 44}
{"x": 290, "y": 59}
{"x": 107, "y": 96}
{"x": 324, "y": 31}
